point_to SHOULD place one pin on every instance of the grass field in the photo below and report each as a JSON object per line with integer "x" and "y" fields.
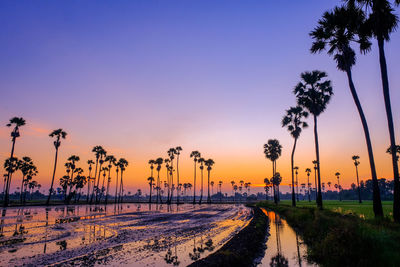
{"x": 363, "y": 210}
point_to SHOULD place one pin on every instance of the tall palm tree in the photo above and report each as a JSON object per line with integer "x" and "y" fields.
{"x": 308, "y": 171}
{"x": 209, "y": 163}
{"x": 315, "y": 177}
{"x": 98, "y": 152}
{"x": 220, "y": 191}
{"x": 102, "y": 154}
{"x": 58, "y": 134}
{"x": 123, "y": 163}
{"x": 171, "y": 153}
{"x": 111, "y": 162}
{"x": 293, "y": 120}
{"x": 151, "y": 182}
{"x": 71, "y": 163}
{"x": 201, "y": 162}
{"x": 168, "y": 170}
{"x": 276, "y": 181}
{"x": 89, "y": 178}
{"x": 335, "y": 32}
{"x": 314, "y": 93}
{"x": 116, "y": 164}
{"x": 178, "y": 150}
{"x": 195, "y": 155}
{"x": 25, "y": 166}
{"x": 381, "y": 22}
{"x": 159, "y": 162}
{"x": 212, "y": 187}
{"x": 296, "y": 168}
{"x": 272, "y": 151}
{"x": 267, "y": 185}
{"x": 337, "y": 174}
{"x": 103, "y": 189}
{"x": 16, "y": 123}
{"x": 356, "y": 158}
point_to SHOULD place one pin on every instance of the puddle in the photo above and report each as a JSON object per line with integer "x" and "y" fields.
{"x": 284, "y": 246}
{"x": 128, "y": 234}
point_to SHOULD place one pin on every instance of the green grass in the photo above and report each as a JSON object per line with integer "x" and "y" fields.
{"x": 336, "y": 239}
{"x": 363, "y": 210}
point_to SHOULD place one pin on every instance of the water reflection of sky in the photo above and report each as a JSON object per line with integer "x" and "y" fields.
{"x": 132, "y": 234}
{"x": 284, "y": 246}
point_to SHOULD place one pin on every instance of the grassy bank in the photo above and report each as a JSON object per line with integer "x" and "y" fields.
{"x": 363, "y": 210}
{"x": 243, "y": 248}
{"x": 335, "y": 239}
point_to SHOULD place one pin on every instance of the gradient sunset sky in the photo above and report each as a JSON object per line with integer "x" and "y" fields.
{"x": 139, "y": 77}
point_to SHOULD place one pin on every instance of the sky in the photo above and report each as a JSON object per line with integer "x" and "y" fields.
{"x": 139, "y": 77}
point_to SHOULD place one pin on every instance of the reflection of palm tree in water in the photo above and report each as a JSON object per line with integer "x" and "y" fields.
{"x": 196, "y": 253}
{"x": 278, "y": 259}
{"x": 172, "y": 259}
{"x": 298, "y": 249}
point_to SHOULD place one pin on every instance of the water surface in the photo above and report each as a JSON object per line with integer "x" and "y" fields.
{"x": 128, "y": 234}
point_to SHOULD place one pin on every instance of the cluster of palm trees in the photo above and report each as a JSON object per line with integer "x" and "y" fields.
{"x": 355, "y": 23}
{"x": 173, "y": 156}
{"x": 242, "y": 186}
{"x": 73, "y": 182}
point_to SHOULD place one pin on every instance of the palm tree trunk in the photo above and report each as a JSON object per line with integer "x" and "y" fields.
{"x": 177, "y": 180}
{"x": 201, "y": 190}
{"x": 94, "y": 182}
{"x": 319, "y": 194}
{"x": 386, "y": 95}
{"x": 273, "y": 182}
{"x": 308, "y": 186}
{"x": 208, "y": 196}
{"x": 121, "y": 190}
{"x": 22, "y": 186}
{"x": 98, "y": 183}
{"x": 52, "y": 180}
{"x": 108, "y": 183}
{"x": 172, "y": 182}
{"x": 6, "y": 197}
{"x": 194, "y": 184}
{"x": 116, "y": 188}
{"x": 358, "y": 186}
{"x": 88, "y": 190}
{"x": 292, "y": 165}
{"x": 377, "y": 204}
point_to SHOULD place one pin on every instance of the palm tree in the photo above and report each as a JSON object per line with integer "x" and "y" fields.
{"x": 201, "y": 161}
{"x": 99, "y": 152}
{"x": 314, "y": 93}
{"x": 171, "y": 153}
{"x": 356, "y": 158}
{"x": 338, "y": 29}
{"x": 103, "y": 189}
{"x": 195, "y": 155}
{"x": 267, "y": 185}
{"x": 168, "y": 170}
{"x": 389, "y": 151}
{"x": 59, "y": 133}
{"x": 209, "y": 163}
{"x": 151, "y": 182}
{"x": 315, "y": 177}
{"x": 99, "y": 191}
{"x": 308, "y": 171}
{"x": 16, "y": 122}
{"x": 123, "y": 163}
{"x": 233, "y": 185}
{"x": 178, "y": 150}
{"x": 337, "y": 174}
{"x": 151, "y": 163}
{"x": 159, "y": 162}
{"x": 32, "y": 171}
{"x": 26, "y": 166}
{"x": 116, "y": 164}
{"x": 381, "y": 22}
{"x": 220, "y": 191}
{"x": 276, "y": 181}
{"x": 212, "y": 188}
{"x": 111, "y": 161}
{"x": 294, "y": 123}
{"x": 296, "y": 168}
{"x": 71, "y": 164}
{"x": 272, "y": 151}
{"x": 89, "y": 178}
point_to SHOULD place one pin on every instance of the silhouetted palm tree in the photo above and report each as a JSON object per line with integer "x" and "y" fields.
{"x": 159, "y": 162}
{"x": 337, "y": 30}
{"x": 122, "y": 163}
{"x": 195, "y": 155}
{"x": 293, "y": 120}
{"x": 16, "y": 123}
{"x": 209, "y": 163}
{"x": 308, "y": 171}
{"x": 151, "y": 182}
{"x": 389, "y": 151}
{"x": 296, "y": 169}
{"x": 71, "y": 164}
{"x": 111, "y": 162}
{"x": 89, "y": 179}
{"x": 201, "y": 161}
{"x": 273, "y": 151}
{"x": 314, "y": 93}
{"x": 99, "y": 153}
{"x": 220, "y": 191}
{"x": 276, "y": 181}
{"x": 337, "y": 174}
{"x": 168, "y": 170}
{"x": 171, "y": 153}
{"x": 356, "y": 158}
{"x": 178, "y": 150}
{"x": 381, "y": 22}
{"x": 116, "y": 164}
{"x": 315, "y": 177}
{"x": 267, "y": 185}
{"x": 58, "y": 134}
{"x": 26, "y": 166}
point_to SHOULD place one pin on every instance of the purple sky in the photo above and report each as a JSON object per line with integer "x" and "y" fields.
{"x": 139, "y": 77}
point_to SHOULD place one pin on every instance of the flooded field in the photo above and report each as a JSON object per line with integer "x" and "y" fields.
{"x": 284, "y": 246}
{"x": 128, "y": 234}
